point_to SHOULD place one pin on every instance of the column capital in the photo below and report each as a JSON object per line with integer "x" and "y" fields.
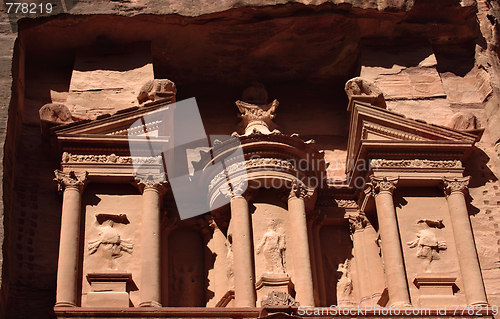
{"x": 70, "y": 180}
{"x": 357, "y": 221}
{"x": 453, "y": 185}
{"x": 383, "y": 184}
{"x": 238, "y": 188}
{"x": 155, "y": 181}
{"x": 299, "y": 190}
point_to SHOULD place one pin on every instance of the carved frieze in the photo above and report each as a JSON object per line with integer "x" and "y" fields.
{"x": 279, "y": 299}
{"x": 235, "y": 169}
{"x": 69, "y": 158}
{"x": 414, "y": 163}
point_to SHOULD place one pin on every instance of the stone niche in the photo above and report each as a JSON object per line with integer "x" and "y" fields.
{"x": 428, "y": 244}
{"x": 111, "y": 245}
{"x": 336, "y": 248}
{"x": 273, "y": 244}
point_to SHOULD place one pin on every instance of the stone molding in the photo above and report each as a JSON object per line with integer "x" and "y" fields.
{"x": 155, "y": 181}
{"x": 414, "y": 163}
{"x": 383, "y": 184}
{"x": 68, "y": 158}
{"x": 390, "y": 132}
{"x": 267, "y": 163}
{"x": 70, "y": 180}
{"x": 452, "y": 185}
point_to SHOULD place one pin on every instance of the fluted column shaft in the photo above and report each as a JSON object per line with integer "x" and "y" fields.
{"x": 302, "y": 263}
{"x": 244, "y": 283}
{"x": 391, "y": 245}
{"x": 67, "y": 266}
{"x": 152, "y": 187}
{"x": 464, "y": 241}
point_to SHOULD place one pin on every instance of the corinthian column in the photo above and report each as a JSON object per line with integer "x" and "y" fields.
{"x": 392, "y": 255}
{"x": 152, "y": 187}
{"x": 467, "y": 257}
{"x": 244, "y": 281}
{"x": 302, "y": 263}
{"x": 67, "y": 266}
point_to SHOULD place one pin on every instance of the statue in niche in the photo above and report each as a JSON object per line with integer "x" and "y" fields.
{"x": 427, "y": 244}
{"x": 109, "y": 242}
{"x": 273, "y": 247}
{"x": 230, "y": 261}
{"x": 344, "y": 285}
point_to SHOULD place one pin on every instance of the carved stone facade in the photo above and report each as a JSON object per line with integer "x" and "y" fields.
{"x": 336, "y": 200}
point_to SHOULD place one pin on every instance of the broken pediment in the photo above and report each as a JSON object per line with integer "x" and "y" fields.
{"x": 376, "y": 132}
{"x": 115, "y": 132}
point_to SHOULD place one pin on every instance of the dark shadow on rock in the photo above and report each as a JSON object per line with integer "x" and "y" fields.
{"x": 476, "y": 168}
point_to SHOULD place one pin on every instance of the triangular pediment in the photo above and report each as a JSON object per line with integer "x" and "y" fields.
{"x": 114, "y": 132}
{"x": 375, "y": 131}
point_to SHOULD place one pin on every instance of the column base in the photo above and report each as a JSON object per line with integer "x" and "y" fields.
{"x": 64, "y": 304}
{"x": 150, "y": 304}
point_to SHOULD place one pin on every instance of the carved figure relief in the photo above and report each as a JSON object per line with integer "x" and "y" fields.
{"x": 109, "y": 242}
{"x": 273, "y": 246}
{"x": 230, "y": 261}
{"x": 157, "y": 89}
{"x": 427, "y": 244}
{"x": 344, "y": 285}
{"x": 279, "y": 299}
{"x": 57, "y": 113}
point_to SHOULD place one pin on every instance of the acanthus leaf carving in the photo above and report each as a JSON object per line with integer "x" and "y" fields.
{"x": 71, "y": 179}
{"x": 383, "y": 184}
{"x": 358, "y": 221}
{"x": 155, "y": 181}
{"x": 452, "y": 185}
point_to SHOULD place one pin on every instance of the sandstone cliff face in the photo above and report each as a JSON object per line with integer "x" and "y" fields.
{"x": 432, "y": 59}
